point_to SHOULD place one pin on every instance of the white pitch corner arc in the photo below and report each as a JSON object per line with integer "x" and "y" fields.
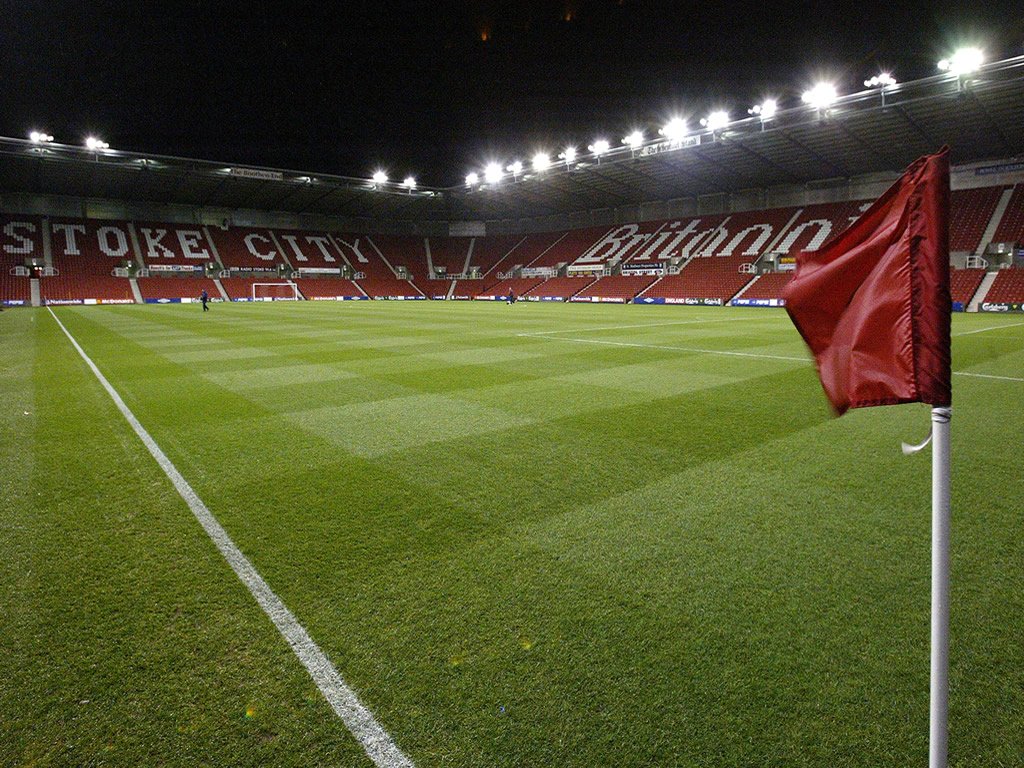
{"x": 377, "y": 743}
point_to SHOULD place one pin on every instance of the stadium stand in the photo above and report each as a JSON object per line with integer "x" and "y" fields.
{"x": 85, "y": 253}
{"x": 308, "y": 250}
{"x": 616, "y": 288}
{"x": 450, "y": 252}
{"x": 408, "y": 252}
{"x": 707, "y": 278}
{"x": 323, "y": 288}
{"x": 243, "y": 249}
{"x": 240, "y": 288}
{"x": 157, "y": 289}
{"x": 768, "y": 286}
{"x": 563, "y": 288}
{"x": 20, "y": 244}
{"x": 378, "y": 281}
{"x": 1011, "y": 226}
{"x": 566, "y": 248}
{"x": 970, "y": 212}
{"x": 162, "y": 244}
{"x": 490, "y": 253}
{"x": 433, "y": 289}
{"x": 963, "y": 284}
{"x": 1008, "y": 288}
{"x": 520, "y": 285}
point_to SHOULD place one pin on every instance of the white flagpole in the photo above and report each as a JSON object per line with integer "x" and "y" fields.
{"x": 939, "y": 710}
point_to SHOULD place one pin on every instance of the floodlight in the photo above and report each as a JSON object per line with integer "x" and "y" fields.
{"x": 634, "y": 140}
{"x": 94, "y": 144}
{"x": 963, "y": 62}
{"x": 821, "y": 96}
{"x": 38, "y": 137}
{"x": 569, "y": 155}
{"x": 493, "y": 173}
{"x": 765, "y": 110}
{"x": 515, "y": 168}
{"x": 599, "y": 147}
{"x": 884, "y": 80}
{"x": 379, "y": 177}
{"x": 409, "y": 183}
{"x": 541, "y": 161}
{"x": 674, "y": 129}
{"x": 716, "y": 121}
{"x": 472, "y": 179}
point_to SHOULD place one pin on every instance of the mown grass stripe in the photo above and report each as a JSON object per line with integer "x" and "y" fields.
{"x": 379, "y": 745}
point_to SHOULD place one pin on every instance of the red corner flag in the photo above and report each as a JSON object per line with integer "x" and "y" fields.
{"x": 874, "y": 305}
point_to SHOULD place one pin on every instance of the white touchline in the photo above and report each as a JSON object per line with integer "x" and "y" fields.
{"x": 990, "y": 328}
{"x": 360, "y": 721}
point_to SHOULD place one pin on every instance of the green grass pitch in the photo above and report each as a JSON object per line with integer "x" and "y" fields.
{"x": 540, "y": 535}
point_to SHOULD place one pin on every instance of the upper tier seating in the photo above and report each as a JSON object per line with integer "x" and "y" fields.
{"x": 963, "y": 284}
{"x": 451, "y": 252}
{"x": 309, "y": 249}
{"x": 1007, "y": 288}
{"x": 162, "y": 243}
{"x": 360, "y": 251}
{"x": 616, "y": 288}
{"x": 20, "y": 241}
{"x": 176, "y": 287}
{"x": 489, "y": 253}
{"x": 85, "y": 253}
{"x": 707, "y": 277}
{"x": 1011, "y": 226}
{"x": 561, "y": 287}
{"x": 247, "y": 248}
{"x": 408, "y": 252}
{"x": 565, "y": 248}
{"x": 327, "y": 288}
{"x": 970, "y": 212}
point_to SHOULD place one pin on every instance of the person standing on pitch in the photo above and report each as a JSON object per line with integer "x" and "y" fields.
{"x": 511, "y": 296}
{"x": 205, "y": 298}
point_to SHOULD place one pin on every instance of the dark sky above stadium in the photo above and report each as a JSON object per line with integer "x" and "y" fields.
{"x": 435, "y": 88}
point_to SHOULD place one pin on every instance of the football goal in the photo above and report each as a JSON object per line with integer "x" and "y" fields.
{"x": 275, "y": 292}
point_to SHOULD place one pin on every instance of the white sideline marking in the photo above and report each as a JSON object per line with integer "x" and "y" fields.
{"x": 360, "y": 721}
{"x": 626, "y": 327}
{"x": 990, "y": 328}
{"x": 676, "y": 349}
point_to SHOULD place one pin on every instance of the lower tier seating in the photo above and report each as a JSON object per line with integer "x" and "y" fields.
{"x": 15, "y": 289}
{"x": 963, "y": 284}
{"x": 327, "y": 288}
{"x": 1008, "y": 287}
{"x": 561, "y": 287}
{"x": 86, "y": 288}
{"x": 387, "y": 287}
{"x": 176, "y": 287}
{"x": 616, "y": 288}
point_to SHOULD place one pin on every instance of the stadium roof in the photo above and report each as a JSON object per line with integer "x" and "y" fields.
{"x": 980, "y": 116}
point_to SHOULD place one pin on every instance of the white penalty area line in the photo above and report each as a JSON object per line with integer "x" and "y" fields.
{"x": 379, "y": 746}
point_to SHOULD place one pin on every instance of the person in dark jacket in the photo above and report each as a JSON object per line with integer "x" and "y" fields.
{"x": 205, "y": 298}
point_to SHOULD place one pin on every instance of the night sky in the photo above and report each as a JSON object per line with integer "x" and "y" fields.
{"x": 436, "y": 89}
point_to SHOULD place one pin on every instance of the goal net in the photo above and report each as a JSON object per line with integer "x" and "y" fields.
{"x": 275, "y": 292}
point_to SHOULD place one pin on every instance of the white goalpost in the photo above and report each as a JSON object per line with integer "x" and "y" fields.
{"x": 275, "y": 292}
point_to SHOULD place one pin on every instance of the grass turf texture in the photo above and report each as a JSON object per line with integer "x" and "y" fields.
{"x": 518, "y": 549}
